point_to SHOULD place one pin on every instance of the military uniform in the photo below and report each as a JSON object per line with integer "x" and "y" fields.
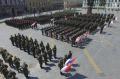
{"x": 40, "y": 59}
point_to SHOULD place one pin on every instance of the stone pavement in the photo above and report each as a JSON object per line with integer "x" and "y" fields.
{"x": 99, "y": 60}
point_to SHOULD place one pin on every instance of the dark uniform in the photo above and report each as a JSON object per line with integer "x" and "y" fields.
{"x": 26, "y": 72}
{"x": 50, "y": 54}
{"x": 54, "y": 51}
{"x": 12, "y": 40}
{"x": 60, "y": 65}
{"x": 17, "y": 63}
{"x": 69, "y": 55}
{"x": 10, "y": 61}
{"x": 45, "y": 58}
{"x": 40, "y": 59}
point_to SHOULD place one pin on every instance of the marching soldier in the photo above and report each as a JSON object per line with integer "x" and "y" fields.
{"x": 50, "y": 54}
{"x": 17, "y": 63}
{"x": 10, "y": 61}
{"x": 69, "y": 55}
{"x": 54, "y": 51}
{"x": 41, "y": 44}
{"x": 12, "y": 40}
{"x": 65, "y": 59}
{"x": 43, "y": 49}
{"x": 40, "y": 59}
{"x": 25, "y": 71}
{"x": 45, "y": 57}
{"x": 60, "y": 65}
{"x": 47, "y": 46}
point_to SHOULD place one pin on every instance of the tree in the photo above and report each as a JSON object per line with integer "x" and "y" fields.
{"x": 90, "y": 4}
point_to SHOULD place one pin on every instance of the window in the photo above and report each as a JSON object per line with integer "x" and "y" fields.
{"x": 10, "y": 2}
{"x": 30, "y": 3}
{"x": 5, "y": 1}
{"x": 0, "y": 2}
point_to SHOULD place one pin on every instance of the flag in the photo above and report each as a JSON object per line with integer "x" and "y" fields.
{"x": 66, "y": 69}
{"x": 70, "y": 61}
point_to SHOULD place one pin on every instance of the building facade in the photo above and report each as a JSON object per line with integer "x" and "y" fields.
{"x": 109, "y": 4}
{"x": 72, "y": 3}
{"x": 7, "y": 7}
{"x": 43, "y": 5}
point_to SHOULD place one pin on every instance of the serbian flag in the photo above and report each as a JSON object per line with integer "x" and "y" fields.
{"x": 66, "y": 69}
{"x": 70, "y": 61}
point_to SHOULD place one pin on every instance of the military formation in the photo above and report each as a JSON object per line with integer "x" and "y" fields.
{"x": 8, "y": 74}
{"x": 14, "y": 63}
{"x": 43, "y": 19}
{"x": 68, "y": 30}
{"x": 32, "y": 47}
{"x": 20, "y": 23}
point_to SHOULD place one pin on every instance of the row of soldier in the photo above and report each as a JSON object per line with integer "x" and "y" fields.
{"x": 19, "y": 23}
{"x": 14, "y": 62}
{"x": 32, "y": 47}
{"x": 8, "y": 74}
{"x": 43, "y": 19}
{"x": 69, "y": 30}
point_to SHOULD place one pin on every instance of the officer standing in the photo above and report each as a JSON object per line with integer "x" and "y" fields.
{"x": 40, "y": 59}
{"x": 12, "y": 40}
{"x": 60, "y": 65}
{"x": 69, "y": 55}
{"x": 49, "y": 54}
{"x": 25, "y": 71}
{"x": 10, "y": 61}
{"x": 45, "y": 57}
{"x": 54, "y": 51}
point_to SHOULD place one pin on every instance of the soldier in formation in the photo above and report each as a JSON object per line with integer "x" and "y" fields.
{"x": 68, "y": 30}
{"x": 20, "y": 23}
{"x": 32, "y": 47}
{"x": 13, "y": 62}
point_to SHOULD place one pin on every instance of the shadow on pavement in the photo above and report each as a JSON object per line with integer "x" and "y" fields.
{"x": 77, "y": 76}
{"x": 55, "y": 61}
{"x": 75, "y": 65}
{"x": 47, "y": 69}
{"x": 51, "y": 65}
{"x": 30, "y": 77}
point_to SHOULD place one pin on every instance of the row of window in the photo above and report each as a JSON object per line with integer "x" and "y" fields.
{"x": 11, "y": 2}
{"x": 105, "y": 1}
{"x": 38, "y": 4}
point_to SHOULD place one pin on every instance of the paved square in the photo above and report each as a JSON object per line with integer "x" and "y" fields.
{"x": 99, "y": 60}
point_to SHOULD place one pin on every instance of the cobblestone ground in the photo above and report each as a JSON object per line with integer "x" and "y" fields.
{"x": 99, "y": 59}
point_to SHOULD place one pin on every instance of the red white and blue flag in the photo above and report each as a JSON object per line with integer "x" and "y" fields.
{"x": 68, "y": 65}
